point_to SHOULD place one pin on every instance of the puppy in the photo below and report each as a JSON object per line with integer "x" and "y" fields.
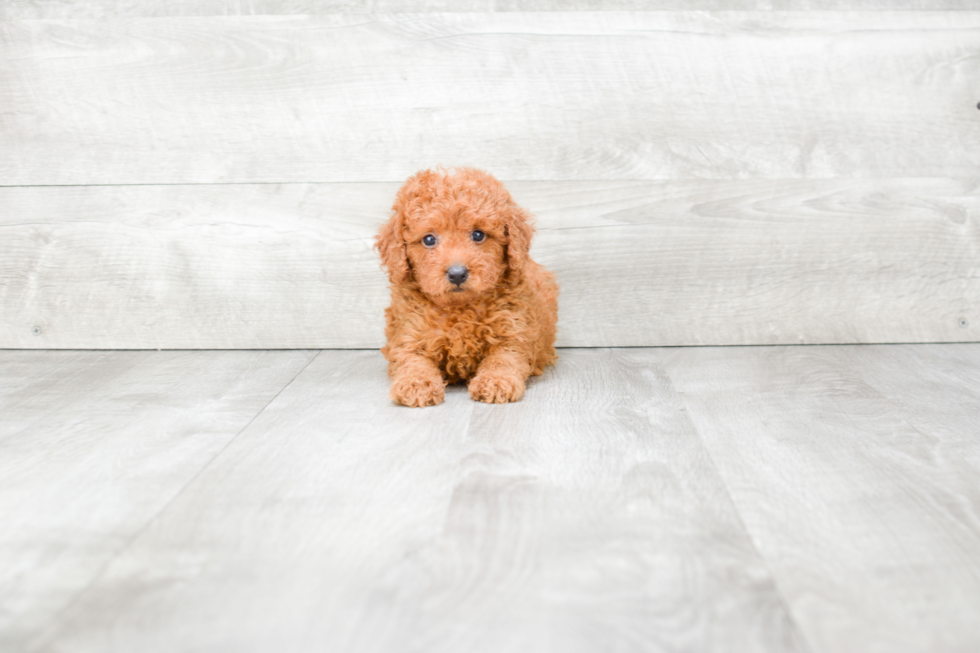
{"x": 467, "y": 302}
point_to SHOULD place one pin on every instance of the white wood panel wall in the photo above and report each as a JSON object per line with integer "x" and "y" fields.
{"x": 115, "y": 8}
{"x": 554, "y": 96}
{"x": 178, "y": 177}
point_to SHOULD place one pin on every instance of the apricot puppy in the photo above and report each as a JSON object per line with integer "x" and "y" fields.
{"x": 467, "y": 302}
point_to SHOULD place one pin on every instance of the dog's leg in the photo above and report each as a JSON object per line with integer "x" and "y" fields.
{"x": 501, "y": 376}
{"x": 416, "y": 381}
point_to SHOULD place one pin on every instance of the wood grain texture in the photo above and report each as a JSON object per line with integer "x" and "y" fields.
{"x": 587, "y": 517}
{"x": 640, "y": 263}
{"x": 163, "y": 8}
{"x": 532, "y": 96}
{"x": 861, "y": 496}
{"x": 941, "y": 398}
{"x": 193, "y": 267}
{"x": 93, "y": 445}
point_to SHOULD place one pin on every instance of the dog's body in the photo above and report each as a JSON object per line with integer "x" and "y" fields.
{"x": 467, "y": 302}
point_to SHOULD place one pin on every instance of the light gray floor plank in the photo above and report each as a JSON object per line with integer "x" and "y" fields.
{"x": 940, "y": 397}
{"x": 32, "y": 382}
{"x": 593, "y": 515}
{"x": 586, "y": 517}
{"x": 855, "y": 470}
{"x": 93, "y": 445}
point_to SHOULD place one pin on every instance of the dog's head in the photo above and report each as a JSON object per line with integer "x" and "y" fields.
{"x": 458, "y": 234}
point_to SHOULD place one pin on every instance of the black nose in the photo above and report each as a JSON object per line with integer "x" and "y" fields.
{"x": 457, "y": 274}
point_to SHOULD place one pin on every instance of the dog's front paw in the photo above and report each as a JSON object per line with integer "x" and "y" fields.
{"x": 417, "y": 391}
{"x": 496, "y": 388}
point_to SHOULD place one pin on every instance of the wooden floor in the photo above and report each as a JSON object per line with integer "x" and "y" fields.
{"x": 818, "y": 499}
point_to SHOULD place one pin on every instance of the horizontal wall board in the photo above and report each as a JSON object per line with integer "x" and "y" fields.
{"x": 260, "y": 266}
{"x": 115, "y": 8}
{"x": 640, "y": 263}
{"x": 532, "y": 96}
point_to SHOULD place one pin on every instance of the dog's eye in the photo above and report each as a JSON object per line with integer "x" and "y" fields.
{"x": 478, "y": 236}
{"x": 429, "y": 240}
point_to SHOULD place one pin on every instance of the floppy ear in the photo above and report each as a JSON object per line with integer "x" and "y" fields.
{"x": 391, "y": 246}
{"x": 519, "y": 233}
{"x": 390, "y": 243}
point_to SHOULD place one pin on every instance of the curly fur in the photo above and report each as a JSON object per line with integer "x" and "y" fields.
{"x": 494, "y": 330}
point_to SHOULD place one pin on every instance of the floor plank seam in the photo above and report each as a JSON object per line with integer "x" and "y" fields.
{"x": 43, "y": 636}
{"x": 804, "y": 641}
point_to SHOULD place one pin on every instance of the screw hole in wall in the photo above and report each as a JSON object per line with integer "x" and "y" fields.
{"x": 963, "y": 322}
{"x": 36, "y": 330}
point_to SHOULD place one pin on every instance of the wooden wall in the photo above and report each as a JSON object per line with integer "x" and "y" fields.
{"x": 210, "y": 174}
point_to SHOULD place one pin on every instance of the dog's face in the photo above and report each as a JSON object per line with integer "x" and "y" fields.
{"x": 455, "y": 251}
{"x": 458, "y": 235}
